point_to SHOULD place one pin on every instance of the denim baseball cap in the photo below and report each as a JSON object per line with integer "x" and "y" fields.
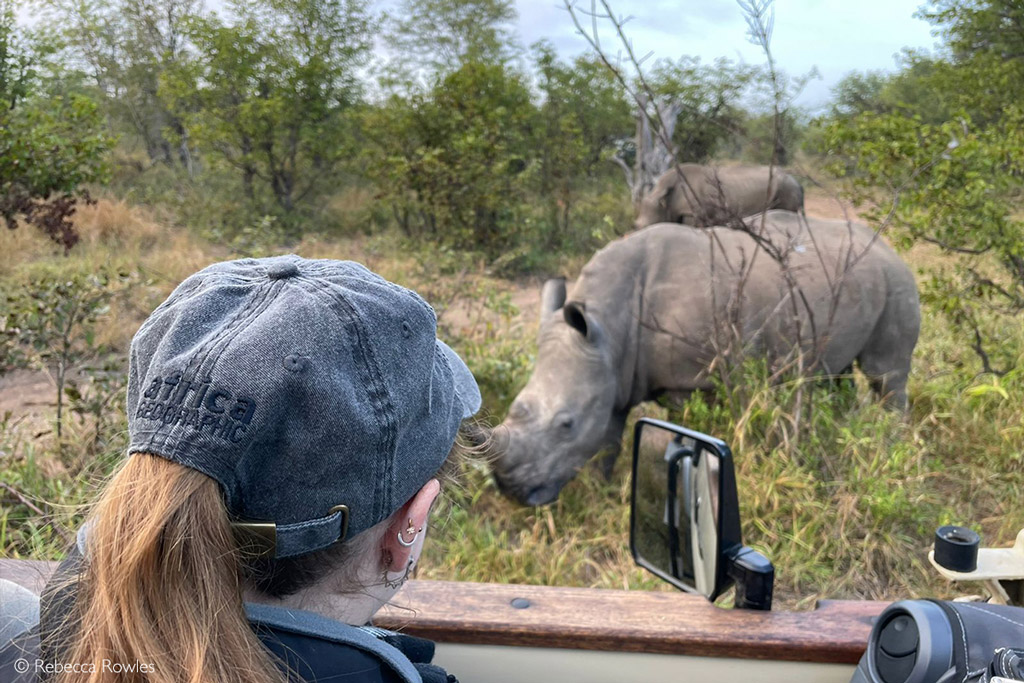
{"x": 314, "y": 391}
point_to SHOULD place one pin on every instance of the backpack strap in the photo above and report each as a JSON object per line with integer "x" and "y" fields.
{"x": 310, "y": 624}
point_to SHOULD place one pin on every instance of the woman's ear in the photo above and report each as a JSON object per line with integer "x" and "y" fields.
{"x": 409, "y": 524}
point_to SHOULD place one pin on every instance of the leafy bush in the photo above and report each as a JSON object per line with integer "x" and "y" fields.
{"x": 50, "y": 326}
{"x": 268, "y": 95}
{"x": 49, "y": 146}
{"x": 950, "y": 176}
{"x": 450, "y": 159}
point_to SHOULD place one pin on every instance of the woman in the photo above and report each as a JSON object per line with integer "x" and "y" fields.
{"x": 287, "y": 418}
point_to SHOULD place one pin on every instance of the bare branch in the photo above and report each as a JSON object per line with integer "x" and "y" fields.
{"x": 958, "y": 250}
{"x": 34, "y": 508}
{"x": 979, "y": 349}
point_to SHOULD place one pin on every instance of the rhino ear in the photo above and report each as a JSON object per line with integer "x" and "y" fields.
{"x": 666, "y": 196}
{"x": 576, "y": 316}
{"x": 552, "y": 297}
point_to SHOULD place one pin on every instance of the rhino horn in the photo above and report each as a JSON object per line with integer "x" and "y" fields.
{"x": 485, "y": 439}
{"x": 552, "y": 297}
{"x": 478, "y": 435}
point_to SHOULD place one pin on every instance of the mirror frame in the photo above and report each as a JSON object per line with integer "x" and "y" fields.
{"x": 729, "y": 533}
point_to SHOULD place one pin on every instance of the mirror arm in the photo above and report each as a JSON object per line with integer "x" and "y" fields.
{"x": 673, "y": 458}
{"x": 753, "y": 575}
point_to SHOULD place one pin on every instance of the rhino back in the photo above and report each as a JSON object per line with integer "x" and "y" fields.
{"x": 742, "y": 190}
{"x": 666, "y": 295}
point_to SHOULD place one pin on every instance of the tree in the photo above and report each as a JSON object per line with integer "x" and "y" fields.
{"x": 444, "y": 34}
{"x": 125, "y": 47}
{"x": 701, "y": 99}
{"x": 979, "y": 27}
{"x": 953, "y": 183}
{"x": 52, "y": 323}
{"x": 269, "y": 95}
{"x": 583, "y": 115}
{"x": 49, "y": 146}
{"x": 451, "y": 159}
{"x": 859, "y": 92}
{"x": 920, "y": 87}
{"x": 767, "y": 136}
{"x": 709, "y": 97}
{"x": 684, "y": 111}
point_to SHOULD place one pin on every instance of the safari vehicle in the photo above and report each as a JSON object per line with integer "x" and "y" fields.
{"x": 685, "y": 528}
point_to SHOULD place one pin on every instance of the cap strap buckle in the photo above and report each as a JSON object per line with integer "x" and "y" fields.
{"x": 258, "y": 539}
{"x": 343, "y": 509}
{"x": 267, "y": 539}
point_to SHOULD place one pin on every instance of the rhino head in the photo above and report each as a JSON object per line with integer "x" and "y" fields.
{"x": 565, "y": 414}
{"x": 665, "y": 203}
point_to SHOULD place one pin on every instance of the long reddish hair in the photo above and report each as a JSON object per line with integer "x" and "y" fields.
{"x": 160, "y": 598}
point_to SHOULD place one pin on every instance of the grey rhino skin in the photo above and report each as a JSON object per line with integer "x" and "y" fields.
{"x": 717, "y": 195}
{"x": 640, "y": 323}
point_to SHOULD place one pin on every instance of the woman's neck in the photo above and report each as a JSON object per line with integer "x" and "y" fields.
{"x": 334, "y": 597}
{"x": 349, "y": 608}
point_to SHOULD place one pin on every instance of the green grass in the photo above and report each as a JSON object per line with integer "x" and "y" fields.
{"x": 845, "y": 505}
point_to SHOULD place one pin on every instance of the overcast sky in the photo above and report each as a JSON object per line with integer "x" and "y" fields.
{"x": 836, "y": 36}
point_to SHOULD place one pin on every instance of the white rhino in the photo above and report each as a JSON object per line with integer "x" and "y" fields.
{"x": 716, "y": 195}
{"x": 641, "y": 321}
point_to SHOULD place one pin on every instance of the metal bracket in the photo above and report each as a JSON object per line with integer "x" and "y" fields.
{"x": 1000, "y": 569}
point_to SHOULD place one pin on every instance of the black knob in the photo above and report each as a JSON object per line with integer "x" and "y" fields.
{"x": 956, "y": 548}
{"x": 899, "y": 637}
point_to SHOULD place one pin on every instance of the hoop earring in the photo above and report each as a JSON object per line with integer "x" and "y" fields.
{"x": 407, "y": 544}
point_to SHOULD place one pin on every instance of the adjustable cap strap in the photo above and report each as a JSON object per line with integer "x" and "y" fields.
{"x": 268, "y": 539}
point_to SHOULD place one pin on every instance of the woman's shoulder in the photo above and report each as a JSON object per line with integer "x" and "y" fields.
{"x": 321, "y": 649}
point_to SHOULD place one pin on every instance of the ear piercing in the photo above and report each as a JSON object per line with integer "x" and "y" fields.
{"x": 411, "y": 530}
{"x": 397, "y": 583}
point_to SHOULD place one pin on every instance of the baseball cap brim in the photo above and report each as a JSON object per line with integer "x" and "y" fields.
{"x": 465, "y": 384}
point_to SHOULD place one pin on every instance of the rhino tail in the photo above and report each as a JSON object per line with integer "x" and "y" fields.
{"x": 792, "y": 195}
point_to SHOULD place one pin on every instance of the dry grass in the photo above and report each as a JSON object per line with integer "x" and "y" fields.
{"x": 116, "y": 224}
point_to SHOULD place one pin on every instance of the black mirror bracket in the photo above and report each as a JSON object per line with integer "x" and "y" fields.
{"x": 753, "y": 575}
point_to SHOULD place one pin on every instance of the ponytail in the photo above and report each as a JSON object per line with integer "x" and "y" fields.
{"x": 160, "y": 598}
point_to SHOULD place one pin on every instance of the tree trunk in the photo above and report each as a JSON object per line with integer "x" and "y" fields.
{"x": 655, "y": 153}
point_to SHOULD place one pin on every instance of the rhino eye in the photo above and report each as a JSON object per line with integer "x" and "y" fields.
{"x": 566, "y": 423}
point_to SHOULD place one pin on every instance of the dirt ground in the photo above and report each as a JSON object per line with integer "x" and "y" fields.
{"x": 27, "y": 395}
{"x": 819, "y": 204}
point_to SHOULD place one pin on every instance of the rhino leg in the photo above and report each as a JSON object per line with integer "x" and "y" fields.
{"x": 886, "y": 361}
{"x": 613, "y": 443}
{"x": 891, "y": 388}
{"x": 844, "y": 380}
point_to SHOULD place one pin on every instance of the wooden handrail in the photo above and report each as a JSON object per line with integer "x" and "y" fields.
{"x": 597, "y": 619}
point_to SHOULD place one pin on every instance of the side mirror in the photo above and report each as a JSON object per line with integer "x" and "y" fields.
{"x": 685, "y": 517}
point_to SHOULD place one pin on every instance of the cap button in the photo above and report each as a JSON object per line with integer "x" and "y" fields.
{"x": 279, "y": 271}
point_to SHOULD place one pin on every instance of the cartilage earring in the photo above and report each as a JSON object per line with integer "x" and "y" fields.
{"x": 405, "y": 543}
